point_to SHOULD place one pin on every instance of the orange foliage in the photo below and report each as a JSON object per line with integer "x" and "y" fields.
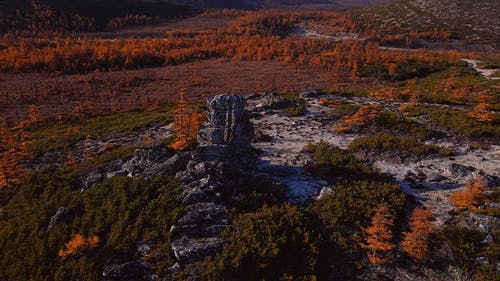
{"x": 416, "y": 242}
{"x": 389, "y": 94}
{"x": 34, "y": 116}
{"x": 257, "y": 36}
{"x": 77, "y": 246}
{"x": 13, "y": 154}
{"x": 186, "y": 124}
{"x": 379, "y": 236}
{"x": 148, "y": 141}
{"x": 70, "y": 159}
{"x": 482, "y": 111}
{"x": 252, "y": 36}
{"x": 362, "y": 117}
{"x": 472, "y": 196}
{"x": 328, "y": 102}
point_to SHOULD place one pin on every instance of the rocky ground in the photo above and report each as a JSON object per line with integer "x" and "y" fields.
{"x": 250, "y": 139}
{"x": 430, "y": 181}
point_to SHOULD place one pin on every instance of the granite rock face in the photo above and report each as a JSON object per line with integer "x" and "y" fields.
{"x": 228, "y": 124}
{"x": 211, "y": 173}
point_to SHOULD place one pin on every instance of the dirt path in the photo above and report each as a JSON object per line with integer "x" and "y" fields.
{"x": 487, "y": 73}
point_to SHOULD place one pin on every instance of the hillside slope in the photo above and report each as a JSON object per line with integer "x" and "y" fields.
{"x": 475, "y": 21}
{"x": 253, "y": 4}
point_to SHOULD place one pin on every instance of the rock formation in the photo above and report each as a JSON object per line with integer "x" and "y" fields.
{"x": 212, "y": 173}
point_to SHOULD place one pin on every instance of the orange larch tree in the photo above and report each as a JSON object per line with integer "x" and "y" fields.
{"x": 77, "y": 245}
{"x": 13, "y": 153}
{"x": 482, "y": 111}
{"x": 186, "y": 124}
{"x": 362, "y": 117}
{"x": 379, "y": 236}
{"x": 473, "y": 194}
{"x": 416, "y": 241}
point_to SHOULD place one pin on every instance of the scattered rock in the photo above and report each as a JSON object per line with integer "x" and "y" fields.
{"x": 455, "y": 170}
{"x": 127, "y": 271}
{"x": 91, "y": 179}
{"x": 311, "y": 94}
{"x": 435, "y": 177}
{"x": 144, "y": 248}
{"x": 483, "y": 223}
{"x": 262, "y": 137}
{"x": 482, "y": 260}
{"x": 149, "y": 161}
{"x": 188, "y": 250}
{"x": 177, "y": 163}
{"x": 273, "y": 101}
{"x": 57, "y": 217}
{"x": 325, "y": 191}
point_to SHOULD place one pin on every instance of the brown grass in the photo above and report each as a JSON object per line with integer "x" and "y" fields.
{"x": 125, "y": 90}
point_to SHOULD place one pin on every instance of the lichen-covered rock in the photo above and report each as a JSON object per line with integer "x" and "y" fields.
{"x": 157, "y": 160}
{"x": 57, "y": 217}
{"x": 191, "y": 250}
{"x": 455, "y": 170}
{"x": 228, "y": 124}
{"x": 91, "y": 179}
{"x": 435, "y": 177}
{"x": 127, "y": 271}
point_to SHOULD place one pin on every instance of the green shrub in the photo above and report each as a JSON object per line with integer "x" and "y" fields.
{"x": 299, "y": 104}
{"x": 345, "y": 109}
{"x": 121, "y": 211}
{"x": 351, "y": 206}
{"x": 457, "y": 121}
{"x": 347, "y": 93}
{"x": 56, "y": 136}
{"x": 403, "y": 147}
{"x": 273, "y": 243}
{"x": 295, "y": 111}
{"x": 334, "y": 163}
{"x": 465, "y": 244}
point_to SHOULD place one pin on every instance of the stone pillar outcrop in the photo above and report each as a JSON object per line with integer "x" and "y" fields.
{"x": 223, "y": 154}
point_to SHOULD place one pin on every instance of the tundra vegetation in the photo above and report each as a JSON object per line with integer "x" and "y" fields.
{"x": 74, "y": 88}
